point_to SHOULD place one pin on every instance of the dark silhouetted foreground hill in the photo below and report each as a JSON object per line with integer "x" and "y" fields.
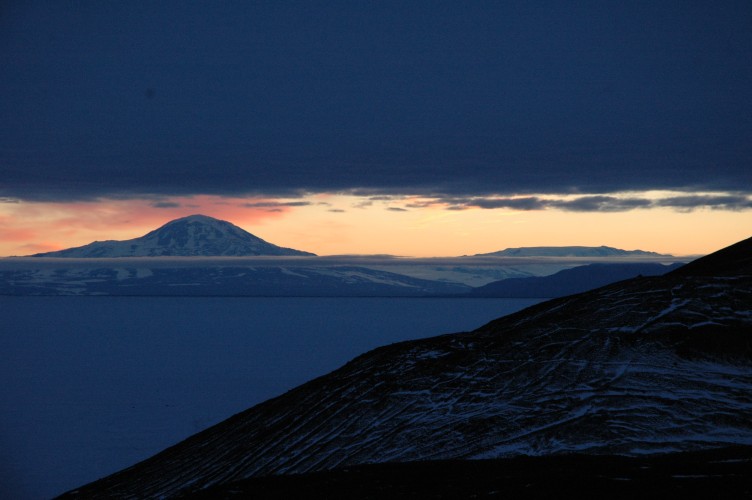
{"x": 641, "y": 367}
{"x": 734, "y": 260}
{"x": 717, "y": 473}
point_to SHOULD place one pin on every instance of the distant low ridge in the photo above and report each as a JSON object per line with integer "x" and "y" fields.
{"x": 195, "y": 235}
{"x": 570, "y": 281}
{"x": 573, "y": 251}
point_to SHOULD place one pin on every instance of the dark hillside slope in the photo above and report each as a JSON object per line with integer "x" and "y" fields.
{"x": 718, "y": 473}
{"x": 734, "y": 260}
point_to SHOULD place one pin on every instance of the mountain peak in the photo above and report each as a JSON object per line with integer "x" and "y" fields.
{"x": 196, "y": 217}
{"x": 194, "y": 235}
{"x": 199, "y": 218}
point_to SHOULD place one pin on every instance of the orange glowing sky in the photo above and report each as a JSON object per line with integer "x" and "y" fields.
{"x": 336, "y": 224}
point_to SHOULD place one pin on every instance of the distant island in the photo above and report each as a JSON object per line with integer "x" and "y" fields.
{"x": 192, "y": 236}
{"x": 570, "y": 251}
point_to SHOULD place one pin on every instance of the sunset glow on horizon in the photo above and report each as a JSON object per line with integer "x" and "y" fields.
{"x": 414, "y": 226}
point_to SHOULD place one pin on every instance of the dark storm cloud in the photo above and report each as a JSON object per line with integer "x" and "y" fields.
{"x": 387, "y": 98}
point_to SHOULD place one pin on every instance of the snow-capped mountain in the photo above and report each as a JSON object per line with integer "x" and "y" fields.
{"x": 195, "y": 235}
{"x": 647, "y": 365}
{"x": 570, "y": 251}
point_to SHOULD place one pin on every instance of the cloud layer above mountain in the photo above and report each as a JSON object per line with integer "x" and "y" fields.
{"x": 449, "y": 99}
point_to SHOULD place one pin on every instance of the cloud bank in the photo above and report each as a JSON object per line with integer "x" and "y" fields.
{"x": 511, "y": 99}
{"x": 599, "y": 203}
